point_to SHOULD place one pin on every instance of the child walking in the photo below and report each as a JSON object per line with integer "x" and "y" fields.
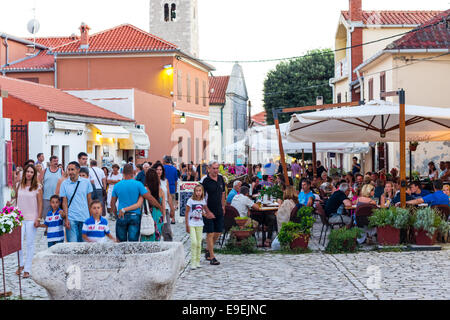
{"x": 95, "y": 228}
{"x": 195, "y": 211}
{"x": 54, "y": 223}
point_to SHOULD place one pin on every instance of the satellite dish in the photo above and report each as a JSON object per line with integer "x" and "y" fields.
{"x": 33, "y": 26}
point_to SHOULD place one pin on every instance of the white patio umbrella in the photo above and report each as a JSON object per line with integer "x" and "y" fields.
{"x": 376, "y": 121}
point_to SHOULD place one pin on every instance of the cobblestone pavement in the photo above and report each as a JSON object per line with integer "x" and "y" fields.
{"x": 402, "y": 275}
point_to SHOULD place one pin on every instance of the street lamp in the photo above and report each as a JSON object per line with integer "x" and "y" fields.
{"x": 183, "y": 118}
{"x": 216, "y": 126}
{"x": 169, "y": 69}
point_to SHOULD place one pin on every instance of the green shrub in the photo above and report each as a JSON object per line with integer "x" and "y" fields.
{"x": 430, "y": 221}
{"x": 245, "y": 246}
{"x": 395, "y": 217}
{"x": 343, "y": 240}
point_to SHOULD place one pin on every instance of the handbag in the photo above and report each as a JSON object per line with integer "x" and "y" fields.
{"x": 147, "y": 224}
{"x": 104, "y": 194}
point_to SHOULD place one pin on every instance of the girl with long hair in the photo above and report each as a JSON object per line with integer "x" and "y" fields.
{"x": 170, "y": 209}
{"x": 433, "y": 173}
{"x": 28, "y": 194}
{"x": 154, "y": 187}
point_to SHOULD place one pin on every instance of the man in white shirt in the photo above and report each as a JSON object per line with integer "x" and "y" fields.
{"x": 98, "y": 178}
{"x": 243, "y": 203}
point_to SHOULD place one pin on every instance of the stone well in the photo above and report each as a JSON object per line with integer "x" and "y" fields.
{"x": 109, "y": 271}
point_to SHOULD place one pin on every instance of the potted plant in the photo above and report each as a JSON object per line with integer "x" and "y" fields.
{"x": 10, "y": 230}
{"x": 388, "y": 222}
{"x": 427, "y": 223}
{"x": 241, "y": 221}
{"x": 413, "y": 145}
{"x": 343, "y": 240}
{"x": 241, "y": 233}
{"x": 296, "y": 234}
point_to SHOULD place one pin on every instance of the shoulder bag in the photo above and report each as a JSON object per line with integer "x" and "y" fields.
{"x": 73, "y": 196}
{"x": 147, "y": 223}
{"x": 101, "y": 185}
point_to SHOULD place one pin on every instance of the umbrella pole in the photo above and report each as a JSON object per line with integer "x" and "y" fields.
{"x": 314, "y": 157}
{"x": 401, "y": 94}
{"x": 280, "y": 146}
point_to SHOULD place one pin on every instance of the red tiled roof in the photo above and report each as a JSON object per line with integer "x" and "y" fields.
{"x": 123, "y": 38}
{"x": 219, "y": 84}
{"x": 52, "y": 42}
{"x": 432, "y": 37}
{"x": 42, "y": 61}
{"x": 54, "y": 100}
{"x": 395, "y": 17}
{"x": 260, "y": 118}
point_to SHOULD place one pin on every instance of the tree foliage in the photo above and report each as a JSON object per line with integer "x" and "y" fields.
{"x": 298, "y": 82}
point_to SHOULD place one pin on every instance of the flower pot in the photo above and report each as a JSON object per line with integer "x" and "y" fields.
{"x": 412, "y": 148}
{"x": 242, "y": 234}
{"x": 350, "y": 244}
{"x": 423, "y": 239}
{"x": 241, "y": 222}
{"x": 300, "y": 242}
{"x": 10, "y": 242}
{"x": 388, "y": 235}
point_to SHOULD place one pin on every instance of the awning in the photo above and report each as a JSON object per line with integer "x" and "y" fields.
{"x": 67, "y": 125}
{"x": 136, "y": 139}
{"x": 376, "y": 121}
{"x": 116, "y": 132}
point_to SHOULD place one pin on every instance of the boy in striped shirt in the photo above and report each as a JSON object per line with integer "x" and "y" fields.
{"x": 95, "y": 228}
{"x": 54, "y": 223}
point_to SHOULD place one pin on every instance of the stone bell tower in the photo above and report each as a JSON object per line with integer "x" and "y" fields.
{"x": 176, "y": 21}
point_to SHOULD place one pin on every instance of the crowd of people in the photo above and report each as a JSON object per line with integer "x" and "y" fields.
{"x": 75, "y": 203}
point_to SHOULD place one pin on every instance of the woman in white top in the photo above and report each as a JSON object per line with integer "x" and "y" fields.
{"x": 167, "y": 231}
{"x": 290, "y": 199}
{"x": 114, "y": 177}
{"x": 29, "y": 200}
{"x": 433, "y": 173}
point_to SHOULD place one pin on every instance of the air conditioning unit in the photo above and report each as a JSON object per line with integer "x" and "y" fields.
{"x": 140, "y": 126}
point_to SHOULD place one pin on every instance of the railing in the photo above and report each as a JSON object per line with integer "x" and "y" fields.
{"x": 340, "y": 69}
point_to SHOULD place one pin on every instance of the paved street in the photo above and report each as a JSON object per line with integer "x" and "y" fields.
{"x": 403, "y": 275}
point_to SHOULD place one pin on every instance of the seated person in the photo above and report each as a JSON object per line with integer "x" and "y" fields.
{"x": 416, "y": 190}
{"x": 379, "y": 189}
{"x": 334, "y": 207}
{"x": 388, "y": 194}
{"x": 265, "y": 181}
{"x": 306, "y": 197}
{"x": 438, "y": 197}
{"x": 236, "y": 186}
{"x": 367, "y": 195}
{"x": 289, "y": 202}
{"x": 242, "y": 203}
{"x": 255, "y": 186}
{"x": 396, "y": 199}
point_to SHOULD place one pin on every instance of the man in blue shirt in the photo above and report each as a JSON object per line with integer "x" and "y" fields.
{"x": 172, "y": 176}
{"x": 269, "y": 168}
{"x": 438, "y": 197}
{"x": 236, "y": 187}
{"x": 128, "y": 192}
{"x": 306, "y": 197}
{"x": 76, "y": 194}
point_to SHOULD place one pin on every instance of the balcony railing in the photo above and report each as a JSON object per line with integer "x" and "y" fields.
{"x": 340, "y": 69}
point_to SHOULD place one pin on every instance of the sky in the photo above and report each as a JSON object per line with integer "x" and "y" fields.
{"x": 230, "y": 30}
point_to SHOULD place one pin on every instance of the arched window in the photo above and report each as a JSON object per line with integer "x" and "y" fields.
{"x": 173, "y": 12}
{"x": 166, "y": 12}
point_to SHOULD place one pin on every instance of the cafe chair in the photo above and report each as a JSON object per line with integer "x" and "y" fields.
{"x": 325, "y": 223}
{"x": 362, "y": 214}
{"x": 228, "y": 221}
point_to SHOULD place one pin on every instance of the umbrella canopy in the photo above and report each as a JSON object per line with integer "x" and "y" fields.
{"x": 376, "y": 121}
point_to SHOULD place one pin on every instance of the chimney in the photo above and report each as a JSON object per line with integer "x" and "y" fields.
{"x": 355, "y": 10}
{"x": 84, "y": 39}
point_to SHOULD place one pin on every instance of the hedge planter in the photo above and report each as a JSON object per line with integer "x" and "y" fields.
{"x": 242, "y": 234}
{"x": 10, "y": 242}
{"x": 241, "y": 222}
{"x": 300, "y": 242}
{"x": 388, "y": 235}
{"x": 423, "y": 239}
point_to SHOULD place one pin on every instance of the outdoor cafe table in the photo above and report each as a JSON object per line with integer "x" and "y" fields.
{"x": 265, "y": 210}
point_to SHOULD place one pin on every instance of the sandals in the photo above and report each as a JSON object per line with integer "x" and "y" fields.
{"x": 214, "y": 262}
{"x": 207, "y": 255}
{"x": 19, "y": 271}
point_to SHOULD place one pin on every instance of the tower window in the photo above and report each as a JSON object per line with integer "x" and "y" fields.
{"x": 173, "y": 12}
{"x": 166, "y": 12}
